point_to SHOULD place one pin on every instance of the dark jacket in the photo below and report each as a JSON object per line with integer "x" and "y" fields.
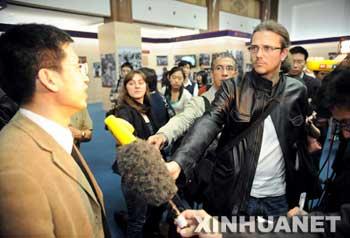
{"x": 312, "y": 85}
{"x": 338, "y": 188}
{"x": 335, "y": 203}
{"x": 135, "y": 118}
{"x": 159, "y": 109}
{"x": 235, "y": 106}
{"x": 131, "y": 115}
{"x": 8, "y": 108}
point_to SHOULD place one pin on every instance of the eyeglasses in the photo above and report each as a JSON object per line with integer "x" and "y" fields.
{"x": 222, "y": 68}
{"x": 266, "y": 49}
{"x": 343, "y": 124}
{"x": 299, "y": 62}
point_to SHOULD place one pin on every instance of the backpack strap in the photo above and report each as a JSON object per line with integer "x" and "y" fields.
{"x": 168, "y": 107}
{"x": 234, "y": 140}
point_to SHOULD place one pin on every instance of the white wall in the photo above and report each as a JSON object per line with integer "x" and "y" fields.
{"x": 234, "y": 22}
{"x": 196, "y": 47}
{"x": 93, "y": 7}
{"x": 321, "y": 49}
{"x": 90, "y": 49}
{"x": 170, "y": 12}
{"x": 315, "y": 19}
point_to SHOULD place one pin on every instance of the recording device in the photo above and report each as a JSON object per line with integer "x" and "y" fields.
{"x": 302, "y": 200}
{"x": 312, "y": 129}
{"x": 142, "y": 167}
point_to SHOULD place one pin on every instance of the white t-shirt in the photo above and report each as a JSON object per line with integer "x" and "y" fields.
{"x": 269, "y": 179}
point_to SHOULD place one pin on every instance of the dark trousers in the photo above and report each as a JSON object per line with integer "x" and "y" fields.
{"x": 137, "y": 211}
{"x": 268, "y": 206}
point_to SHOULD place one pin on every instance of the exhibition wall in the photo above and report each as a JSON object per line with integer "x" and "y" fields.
{"x": 90, "y": 49}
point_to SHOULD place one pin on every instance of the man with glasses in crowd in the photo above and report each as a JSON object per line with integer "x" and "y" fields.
{"x": 255, "y": 174}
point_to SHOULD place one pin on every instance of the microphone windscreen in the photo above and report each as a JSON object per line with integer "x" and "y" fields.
{"x": 143, "y": 170}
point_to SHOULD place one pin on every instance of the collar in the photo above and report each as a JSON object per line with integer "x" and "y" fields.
{"x": 210, "y": 94}
{"x": 265, "y": 85}
{"x": 189, "y": 82}
{"x": 300, "y": 77}
{"x": 62, "y": 135}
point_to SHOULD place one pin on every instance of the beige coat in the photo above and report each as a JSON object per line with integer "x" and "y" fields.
{"x": 43, "y": 192}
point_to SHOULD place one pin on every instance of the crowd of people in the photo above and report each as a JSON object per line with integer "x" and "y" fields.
{"x": 237, "y": 147}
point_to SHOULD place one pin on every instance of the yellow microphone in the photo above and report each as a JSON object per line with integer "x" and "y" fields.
{"x": 121, "y": 129}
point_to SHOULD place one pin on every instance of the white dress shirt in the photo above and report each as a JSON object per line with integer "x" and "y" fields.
{"x": 62, "y": 135}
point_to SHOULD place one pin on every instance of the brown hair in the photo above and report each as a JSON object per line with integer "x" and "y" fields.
{"x": 276, "y": 28}
{"x": 125, "y": 99}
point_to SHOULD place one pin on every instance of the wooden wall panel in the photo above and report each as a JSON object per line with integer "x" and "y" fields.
{"x": 247, "y": 8}
{"x": 201, "y": 3}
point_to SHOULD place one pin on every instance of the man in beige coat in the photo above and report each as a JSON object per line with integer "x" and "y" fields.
{"x": 46, "y": 187}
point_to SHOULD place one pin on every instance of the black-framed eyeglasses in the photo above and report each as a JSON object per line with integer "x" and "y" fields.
{"x": 266, "y": 49}
{"x": 342, "y": 124}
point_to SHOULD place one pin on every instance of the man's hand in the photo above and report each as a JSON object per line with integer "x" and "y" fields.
{"x": 174, "y": 169}
{"x": 192, "y": 217}
{"x": 296, "y": 211}
{"x": 157, "y": 140}
{"x": 75, "y": 132}
{"x": 313, "y": 145}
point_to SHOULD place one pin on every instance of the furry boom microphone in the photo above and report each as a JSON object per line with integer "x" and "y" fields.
{"x": 142, "y": 167}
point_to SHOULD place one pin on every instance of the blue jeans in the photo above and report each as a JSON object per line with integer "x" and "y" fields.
{"x": 268, "y": 206}
{"x": 137, "y": 210}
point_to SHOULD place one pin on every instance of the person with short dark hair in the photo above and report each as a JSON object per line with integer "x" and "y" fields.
{"x": 125, "y": 68}
{"x": 190, "y": 85}
{"x": 298, "y": 60}
{"x": 46, "y": 187}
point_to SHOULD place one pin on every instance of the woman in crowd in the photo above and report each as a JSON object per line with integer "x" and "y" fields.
{"x": 134, "y": 106}
{"x": 175, "y": 93}
{"x": 202, "y": 81}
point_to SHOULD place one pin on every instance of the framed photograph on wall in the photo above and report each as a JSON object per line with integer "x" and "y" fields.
{"x": 108, "y": 68}
{"x": 83, "y": 64}
{"x": 204, "y": 59}
{"x": 97, "y": 69}
{"x": 162, "y": 60}
{"x": 190, "y": 58}
{"x": 131, "y": 55}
